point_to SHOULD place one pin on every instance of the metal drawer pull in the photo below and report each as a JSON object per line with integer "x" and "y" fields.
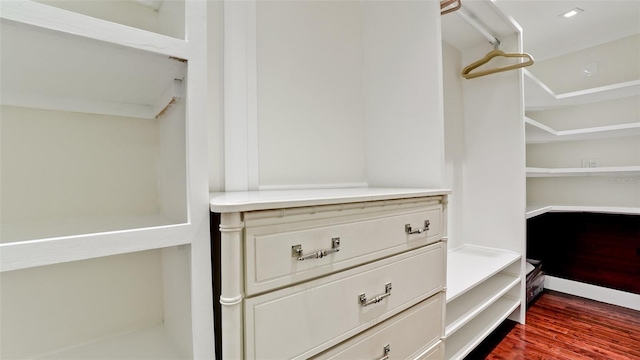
{"x": 363, "y": 298}
{"x": 387, "y": 350}
{"x": 296, "y": 251}
{"x": 408, "y": 230}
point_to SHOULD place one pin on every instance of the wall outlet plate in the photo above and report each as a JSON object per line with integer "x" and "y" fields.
{"x": 589, "y": 69}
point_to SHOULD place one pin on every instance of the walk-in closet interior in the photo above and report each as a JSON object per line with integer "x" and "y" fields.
{"x": 186, "y": 179}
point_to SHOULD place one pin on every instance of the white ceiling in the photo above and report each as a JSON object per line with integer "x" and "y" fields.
{"x": 546, "y": 34}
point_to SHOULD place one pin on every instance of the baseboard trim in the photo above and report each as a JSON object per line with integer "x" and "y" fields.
{"x": 593, "y": 292}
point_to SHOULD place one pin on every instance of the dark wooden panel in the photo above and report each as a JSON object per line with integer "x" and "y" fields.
{"x": 563, "y": 327}
{"x": 599, "y": 249}
{"x": 216, "y": 277}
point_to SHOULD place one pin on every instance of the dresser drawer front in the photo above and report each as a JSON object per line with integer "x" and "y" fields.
{"x": 436, "y": 352}
{"x": 271, "y": 263}
{"x": 404, "y": 336}
{"x": 302, "y": 320}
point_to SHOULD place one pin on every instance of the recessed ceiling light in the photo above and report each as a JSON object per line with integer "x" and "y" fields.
{"x": 572, "y": 12}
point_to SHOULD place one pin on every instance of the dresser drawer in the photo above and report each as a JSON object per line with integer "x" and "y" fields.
{"x": 272, "y": 261}
{"x": 435, "y": 352}
{"x": 404, "y": 336}
{"x": 305, "y": 319}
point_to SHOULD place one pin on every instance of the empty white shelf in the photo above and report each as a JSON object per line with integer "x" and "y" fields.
{"x": 68, "y": 22}
{"x": 470, "y": 265}
{"x": 601, "y": 171}
{"x": 458, "y": 345}
{"x": 538, "y": 96}
{"x": 154, "y": 343}
{"x": 465, "y": 308}
{"x": 146, "y": 232}
{"x": 63, "y": 72}
{"x": 540, "y": 133}
{"x": 534, "y": 210}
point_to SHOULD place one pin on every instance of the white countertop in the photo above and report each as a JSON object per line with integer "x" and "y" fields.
{"x": 270, "y": 199}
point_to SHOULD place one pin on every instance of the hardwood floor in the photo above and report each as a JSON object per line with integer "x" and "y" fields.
{"x": 560, "y": 327}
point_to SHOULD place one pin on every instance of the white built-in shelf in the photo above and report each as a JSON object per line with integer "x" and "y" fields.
{"x": 63, "y": 72}
{"x": 73, "y": 23}
{"x": 539, "y": 96}
{"x": 600, "y": 171}
{"x": 537, "y": 132}
{"x": 463, "y": 341}
{"x": 471, "y": 265}
{"x": 534, "y": 210}
{"x": 270, "y": 199}
{"x": 154, "y": 343}
{"x": 463, "y": 309}
{"x": 144, "y": 233}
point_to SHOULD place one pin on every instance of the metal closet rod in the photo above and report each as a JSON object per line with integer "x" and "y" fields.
{"x": 492, "y": 39}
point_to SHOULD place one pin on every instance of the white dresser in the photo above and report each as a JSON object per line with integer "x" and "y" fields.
{"x": 332, "y": 273}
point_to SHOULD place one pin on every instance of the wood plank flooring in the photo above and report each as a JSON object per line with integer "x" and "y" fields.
{"x": 565, "y": 327}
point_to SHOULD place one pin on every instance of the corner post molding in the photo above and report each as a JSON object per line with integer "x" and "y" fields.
{"x": 231, "y": 292}
{"x": 240, "y": 96}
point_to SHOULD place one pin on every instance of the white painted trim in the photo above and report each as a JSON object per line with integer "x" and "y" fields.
{"x": 593, "y": 292}
{"x": 253, "y": 149}
{"x": 312, "y": 186}
{"x": 240, "y": 97}
{"x": 235, "y": 96}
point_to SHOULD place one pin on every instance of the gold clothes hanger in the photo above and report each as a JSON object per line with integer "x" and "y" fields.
{"x": 446, "y": 3}
{"x": 492, "y": 54}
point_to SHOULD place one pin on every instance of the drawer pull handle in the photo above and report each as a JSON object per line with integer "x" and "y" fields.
{"x": 363, "y": 298}
{"x": 387, "y": 350}
{"x": 410, "y": 231}
{"x": 296, "y": 251}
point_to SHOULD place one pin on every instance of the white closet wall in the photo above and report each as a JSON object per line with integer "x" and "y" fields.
{"x": 338, "y": 94}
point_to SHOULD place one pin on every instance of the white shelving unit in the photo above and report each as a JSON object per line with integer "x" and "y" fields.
{"x": 484, "y": 147}
{"x": 104, "y": 245}
{"x": 461, "y": 343}
{"x": 479, "y": 278}
{"x": 613, "y": 141}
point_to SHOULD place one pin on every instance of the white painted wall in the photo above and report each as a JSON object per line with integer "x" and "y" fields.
{"x": 310, "y": 88}
{"x": 619, "y": 111}
{"x": 494, "y": 169}
{"x": 624, "y": 151}
{"x": 620, "y": 191}
{"x": 617, "y": 62}
{"x": 403, "y": 94}
{"x": 59, "y": 166}
{"x": 332, "y": 94}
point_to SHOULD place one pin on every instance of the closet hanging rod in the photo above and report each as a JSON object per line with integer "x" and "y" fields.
{"x": 492, "y": 39}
